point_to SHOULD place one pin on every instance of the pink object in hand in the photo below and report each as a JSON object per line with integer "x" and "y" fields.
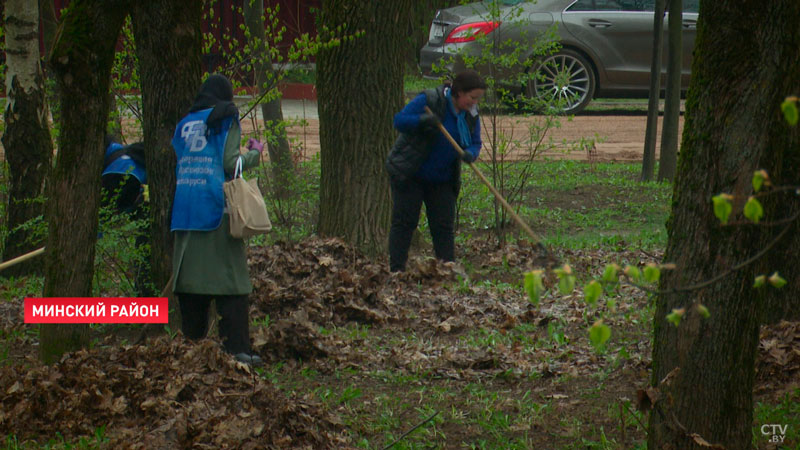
{"x": 253, "y": 144}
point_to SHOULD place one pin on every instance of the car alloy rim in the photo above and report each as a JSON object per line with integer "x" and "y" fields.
{"x": 564, "y": 79}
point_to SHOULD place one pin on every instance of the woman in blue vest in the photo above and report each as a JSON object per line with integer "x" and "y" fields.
{"x": 207, "y": 262}
{"x": 424, "y": 167}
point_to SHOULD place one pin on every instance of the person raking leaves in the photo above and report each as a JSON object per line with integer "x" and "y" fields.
{"x": 424, "y": 167}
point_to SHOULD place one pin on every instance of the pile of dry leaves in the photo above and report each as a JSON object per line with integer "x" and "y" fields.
{"x": 173, "y": 394}
{"x": 166, "y": 394}
{"x": 779, "y": 354}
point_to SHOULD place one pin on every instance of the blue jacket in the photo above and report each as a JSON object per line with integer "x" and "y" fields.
{"x": 429, "y": 156}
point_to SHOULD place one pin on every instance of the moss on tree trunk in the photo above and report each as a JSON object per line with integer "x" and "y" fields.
{"x": 82, "y": 57}
{"x": 747, "y": 59}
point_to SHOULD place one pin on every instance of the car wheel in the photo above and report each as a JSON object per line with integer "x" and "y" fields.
{"x": 565, "y": 81}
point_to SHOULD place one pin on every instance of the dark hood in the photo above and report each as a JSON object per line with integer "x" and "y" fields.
{"x": 216, "y": 92}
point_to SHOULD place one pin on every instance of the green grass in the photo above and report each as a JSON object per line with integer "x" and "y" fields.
{"x": 579, "y": 205}
{"x": 97, "y": 441}
{"x": 785, "y": 414}
{"x": 414, "y": 84}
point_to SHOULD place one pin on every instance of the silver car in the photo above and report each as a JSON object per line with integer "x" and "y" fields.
{"x": 605, "y": 45}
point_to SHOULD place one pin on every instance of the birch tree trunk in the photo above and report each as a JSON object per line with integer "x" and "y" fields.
{"x": 27, "y": 142}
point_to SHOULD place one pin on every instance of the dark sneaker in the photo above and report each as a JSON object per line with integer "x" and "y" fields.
{"x": 251, "y": 360}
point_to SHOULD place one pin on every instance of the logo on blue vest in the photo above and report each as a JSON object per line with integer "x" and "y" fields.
{"x": 194, "y": 134}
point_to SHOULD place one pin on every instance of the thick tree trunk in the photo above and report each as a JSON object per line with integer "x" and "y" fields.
{"x": 360, "y": 86}
{"x": 49, "y": 26}
{"x": 27, "y": 142}
{"x": 747, "y": 59}
{"x": 419, "y": 24}
{"x": 82, "y": 57}
{"x": 651, "y": 130}
{"x": 280, "y": 155}
{"x": 672, "y": 97}
{"x": 168, "y": 37}
{"x": 47, "y": 17}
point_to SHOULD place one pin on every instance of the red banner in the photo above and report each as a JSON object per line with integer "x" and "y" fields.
{"x": 96, "y": 310}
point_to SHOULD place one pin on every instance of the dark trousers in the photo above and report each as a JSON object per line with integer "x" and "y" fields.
{"x": 440, "y": 207}
{"x": 234, "y": 326}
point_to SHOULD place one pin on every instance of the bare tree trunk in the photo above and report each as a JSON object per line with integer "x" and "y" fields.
{"x": 27, "y": 142}
{"x": 82, "y": 57}
{"x": 360, "y": 85}
{"x": 280, "y": 155}
{"x": 672, "y": 98}
{"x": 651, "y": 132}
{"x": 168, "y": 46}
{"x": 733, "y": 127}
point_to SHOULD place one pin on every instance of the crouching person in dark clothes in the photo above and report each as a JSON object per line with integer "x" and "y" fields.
{"x": 207, "y": 262}
{"x": 124, "y": 175}
{"x": 424, "y": 167}
{"x": 123, "y": 179}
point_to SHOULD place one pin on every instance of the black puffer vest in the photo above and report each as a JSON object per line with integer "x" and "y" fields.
{"x": 411, "y": 150}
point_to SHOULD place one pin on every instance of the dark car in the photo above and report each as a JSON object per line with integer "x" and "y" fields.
{"x": 605, "y": 45}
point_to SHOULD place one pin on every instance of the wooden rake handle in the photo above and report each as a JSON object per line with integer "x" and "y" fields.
{"x": 494, "y": 191}
{"x": 21, "y": 258}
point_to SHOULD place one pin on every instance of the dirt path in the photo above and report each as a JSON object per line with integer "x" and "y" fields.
{"x": 620, "y": 136}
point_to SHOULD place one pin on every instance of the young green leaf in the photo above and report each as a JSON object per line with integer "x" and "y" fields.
{"x": 566, "y": 284}
{"x": 675, "y": 316}
{"x": 789, "y": 108}
{"x": 533, "y": 286}
{"x": 753, "y": 210}
{"x": 610, "y": 273}
{"x": 760, "y": 178}
{"x": 652, "y": 273}
{"x": 633, "y": 273}
{"x": 563, "y": 270}
{"x": 722, "y": 207}
{"x": 776, "y": 280}
{"x": 592, "y": 292}
{"x": 611, "y": 304}
{"x": 599, "y": 333}
{"x": 703, "y": 311}
{"x": 760, "y": 280}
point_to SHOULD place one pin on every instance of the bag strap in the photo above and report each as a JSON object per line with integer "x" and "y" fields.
{"x": 238, "y": 172}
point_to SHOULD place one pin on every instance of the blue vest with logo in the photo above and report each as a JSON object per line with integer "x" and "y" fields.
{"x": 124, "y": 165}
{"x": 199, "y": 201}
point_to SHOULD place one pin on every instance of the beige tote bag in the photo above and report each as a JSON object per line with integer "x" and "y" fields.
{"x": 246, "y": 206}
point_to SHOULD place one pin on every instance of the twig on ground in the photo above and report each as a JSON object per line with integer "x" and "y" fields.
{"x": 411, "y": 430}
